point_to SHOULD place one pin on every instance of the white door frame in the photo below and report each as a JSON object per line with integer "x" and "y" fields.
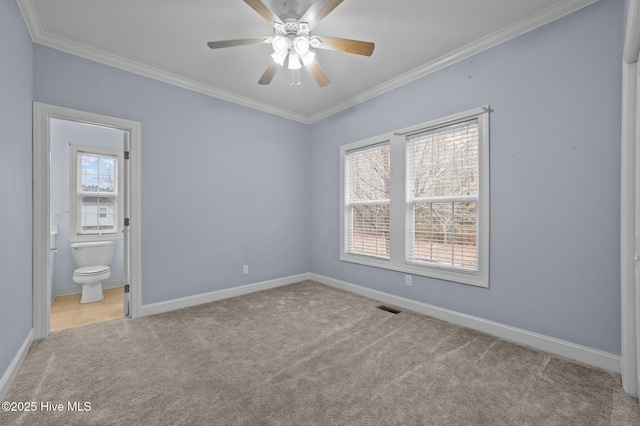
{"x": 630, "y": 207}
{"x": 42, "y": 113}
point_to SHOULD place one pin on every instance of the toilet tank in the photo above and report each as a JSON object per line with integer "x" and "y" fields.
{"x": 92, "y": 253}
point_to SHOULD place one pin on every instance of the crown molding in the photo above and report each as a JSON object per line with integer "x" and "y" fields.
{"x": 525, "y": 25}
{"x": 96, "y": 55}
{"x": 30, "y": 16}
{"x": 39, "y": 36}
{"x": 632, "y": 34}
{"x": 551, "y": 13}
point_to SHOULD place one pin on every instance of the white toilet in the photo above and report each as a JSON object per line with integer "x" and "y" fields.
{"x": 92, "y": 260}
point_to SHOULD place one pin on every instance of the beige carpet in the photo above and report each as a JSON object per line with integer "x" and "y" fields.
{"x": 306, "y": 354}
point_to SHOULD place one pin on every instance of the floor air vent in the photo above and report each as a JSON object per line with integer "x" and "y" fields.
{"x": 388, "y": 309}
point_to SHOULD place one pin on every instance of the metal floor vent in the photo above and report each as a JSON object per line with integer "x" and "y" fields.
{"x": 388, "y": 309}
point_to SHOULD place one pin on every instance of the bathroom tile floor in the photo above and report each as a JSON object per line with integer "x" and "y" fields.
{"x": 67, "y": 312}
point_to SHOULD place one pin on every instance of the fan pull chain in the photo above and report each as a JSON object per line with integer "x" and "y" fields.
{"x": 293, "y": 83}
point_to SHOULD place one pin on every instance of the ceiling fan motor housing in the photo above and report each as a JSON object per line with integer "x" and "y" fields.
{"x": 291, "y": 40}
{"x": 291, "y": 29}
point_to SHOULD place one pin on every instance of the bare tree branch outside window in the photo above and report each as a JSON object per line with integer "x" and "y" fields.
{"x": 98, "y": 191}
{"x": 368, "y": 196}
{"x": 442, "y": 176}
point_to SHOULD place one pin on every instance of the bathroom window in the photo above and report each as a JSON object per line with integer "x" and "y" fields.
{"x": 95, "y": 186}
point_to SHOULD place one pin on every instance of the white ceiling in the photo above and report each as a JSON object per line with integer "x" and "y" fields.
{"x": 166, "y": 40}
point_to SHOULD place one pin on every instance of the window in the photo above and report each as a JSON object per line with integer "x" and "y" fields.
{"x": 417, "y": 200}
{"x": 95, "y": 184}
{"x": 368, "y": 173}
{"x": 442, "y": 196}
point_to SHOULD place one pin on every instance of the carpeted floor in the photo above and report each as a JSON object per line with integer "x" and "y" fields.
{"x": 306, "y": 354}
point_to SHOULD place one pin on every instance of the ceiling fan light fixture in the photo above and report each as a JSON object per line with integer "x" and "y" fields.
{"x": 292, "y": 42}
{"x": 280, "y": 44}
{"x": 279, "y": 57}
{"x": 301, "y": 45}
{"x": 307, "y": 58}
{"x": 294, "y": 61}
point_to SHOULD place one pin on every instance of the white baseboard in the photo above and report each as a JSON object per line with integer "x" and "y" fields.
{"x": 77, "y": 288}
{"x": 198, "y": 299}
{"x": 10, "y": 374}
{"x": 596, "y": 358}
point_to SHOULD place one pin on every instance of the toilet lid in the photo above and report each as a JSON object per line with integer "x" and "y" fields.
{"x": 91, "y": 270}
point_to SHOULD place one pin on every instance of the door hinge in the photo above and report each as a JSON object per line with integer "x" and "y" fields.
{"x": 126, "y": 221}
{"x": 126, "y": 155}
{"x": 126, "y": 288}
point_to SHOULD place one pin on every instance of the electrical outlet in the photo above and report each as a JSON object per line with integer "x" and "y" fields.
{"x": 245, "y": 269}
{"x": 407, "y": 280}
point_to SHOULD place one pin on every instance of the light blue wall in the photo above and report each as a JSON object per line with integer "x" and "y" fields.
{"x": 64, "y": 133}
{"x": 555, "y": 177}
{"x": 222, "y": 185}
{"x": 16, "y": 93}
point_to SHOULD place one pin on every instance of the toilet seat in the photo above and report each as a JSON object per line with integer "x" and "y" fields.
{"x": 87, "y": 271}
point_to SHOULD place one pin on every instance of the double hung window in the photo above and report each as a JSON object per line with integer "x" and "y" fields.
{"x": 367, "y": 204}
{"x": 95, "y": 192}
{"x": 417, "y": 200}
{"x": 442, "y": 196}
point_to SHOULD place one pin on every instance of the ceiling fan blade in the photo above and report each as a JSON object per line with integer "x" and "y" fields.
{"x": 357, "y": 47}
{"x": 239, "y": 42}
{"x": 263, "y": 10}
{"x": 318, "y": 10}
{"x": 269, "y": 73}
{"x": 318, "y": 74}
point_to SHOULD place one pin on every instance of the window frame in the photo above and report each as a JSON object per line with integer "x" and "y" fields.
{"x": 75, "y": 194}
{"x": 398, "y": 217}
{"x": 347, "y": 205}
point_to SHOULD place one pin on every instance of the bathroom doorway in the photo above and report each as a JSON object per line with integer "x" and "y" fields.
{"x": 86, "y": 205}
{"x": 86, "y": 197}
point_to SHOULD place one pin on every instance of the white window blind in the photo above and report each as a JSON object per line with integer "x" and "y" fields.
{"x": 367, "y": 197}
{"x": 429, "y": 216}
{"x": 442, "y": 169}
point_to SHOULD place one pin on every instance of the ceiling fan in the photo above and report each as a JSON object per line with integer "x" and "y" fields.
{"x": 293, "y": 43}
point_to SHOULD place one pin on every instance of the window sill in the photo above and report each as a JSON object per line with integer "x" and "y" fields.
{"x": 469, "y": 278}
{"x": 103, "y": 237}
